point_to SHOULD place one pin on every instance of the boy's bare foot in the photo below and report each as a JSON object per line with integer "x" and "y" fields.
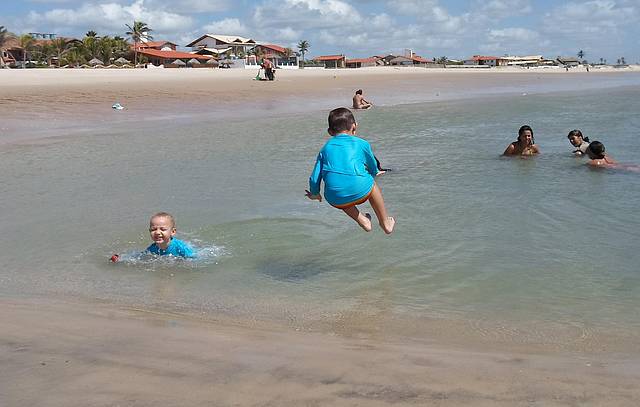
{"x": 365, "y": 221}
{"x": 388, "y": 225}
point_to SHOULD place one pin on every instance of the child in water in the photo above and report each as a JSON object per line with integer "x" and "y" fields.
{"x": 525, "y": 145}
{"x": 597, "y": 157}
{"x": 348, "y": 167}
{"x": 162, "y": 228}
{"x": 579, "y": 142}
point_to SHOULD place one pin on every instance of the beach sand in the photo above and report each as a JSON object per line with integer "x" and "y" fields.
{"x": 79, "y": 354}
{"x": 63, "y": 352}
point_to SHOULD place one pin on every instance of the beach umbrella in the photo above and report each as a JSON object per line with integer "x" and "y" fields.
{"x": 194, "y": 61}
{"x": 212, "y": 61}
{"x": 96, "y": 61}
{"x": 179, "y": 62}
{"x": 121, "y": 60}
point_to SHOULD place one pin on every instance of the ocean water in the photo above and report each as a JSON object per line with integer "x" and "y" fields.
{"x": 539, "y": 250}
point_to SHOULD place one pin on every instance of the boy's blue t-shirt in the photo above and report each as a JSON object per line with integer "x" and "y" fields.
{"x": 176, "y": 248}
{"x": 348, "y": 167}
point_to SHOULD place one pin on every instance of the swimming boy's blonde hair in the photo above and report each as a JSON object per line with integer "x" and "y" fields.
{"x": 164, "y": 215}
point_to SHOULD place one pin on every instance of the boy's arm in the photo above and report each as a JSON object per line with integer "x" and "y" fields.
{"x": 315, "y": 179}
{"x": 370, "y": 160}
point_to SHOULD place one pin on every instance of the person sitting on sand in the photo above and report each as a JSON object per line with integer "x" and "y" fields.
{"x": 359, "y": 102}
{"x": 348, "y": 167}
{"x": 525, "y": 145}
{"x": 162, "y": 228}
{"x": 580, "y": 142}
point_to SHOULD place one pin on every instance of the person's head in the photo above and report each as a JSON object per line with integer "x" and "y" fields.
{"x": 576, "y": 138}
{"x": 525, "y": 135}
{"x": 162, "y": 227}
{"x": 359, "y": 92}
{"x": 595, "y": 151}
{"x": 341, "y": 120}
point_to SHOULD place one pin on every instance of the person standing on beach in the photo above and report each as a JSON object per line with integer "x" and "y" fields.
{"x": 359, "y": 102}
{"x": 348, "y": 168}
{"x": 525, "y": 145}
{"x": 268, "y": 68}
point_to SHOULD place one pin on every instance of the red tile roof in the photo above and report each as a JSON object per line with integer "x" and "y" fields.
{"x": 172, "y": 54}
{"x": 362, "y": 60}
{"x": 484, "y": 58}
{"x": 418, "y": 58}
{"x": 276, "y": 48}
{"x": 329, "y": 58}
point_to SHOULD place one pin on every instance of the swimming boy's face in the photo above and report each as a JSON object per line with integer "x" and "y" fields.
{"x": 526, "y": 137}
{"x": 161, "y": 229}
{"x": 575, "y": 140}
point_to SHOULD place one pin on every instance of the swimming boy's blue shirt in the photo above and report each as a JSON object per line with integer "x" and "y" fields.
{"x": 348, "y": 167}
{"x": 176, "y": 248}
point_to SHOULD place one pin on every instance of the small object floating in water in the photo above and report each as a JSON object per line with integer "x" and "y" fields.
{"x": 117, "y": 106}
{"x": 115, "y": 258}
{"x": 524, "y": 94}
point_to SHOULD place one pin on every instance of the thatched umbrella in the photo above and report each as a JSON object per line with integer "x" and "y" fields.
{"x": 179, "y": 62}
{"x": 193, "y": 61}
{"x": 96, "y": 61}
{"x": 121, "y": 60}
{"x": 212, "y": 62}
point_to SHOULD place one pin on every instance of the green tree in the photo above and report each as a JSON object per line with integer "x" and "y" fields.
{"x": 90, "y": 47}
{"x": 4, "y": 37}
{"x": 442, "y": 60}
{"x": 303, "y": 47}
{"x": 581, "y": 54}
{"x": 91, "y": 33}
{"x": 60, "y": 47}
{"x": 106, "y": 49}
{"x": 26, "y": 43}
{"x": 138, "y": 32}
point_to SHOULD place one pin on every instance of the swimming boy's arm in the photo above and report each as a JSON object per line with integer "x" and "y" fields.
{"x": 315, "y": 179}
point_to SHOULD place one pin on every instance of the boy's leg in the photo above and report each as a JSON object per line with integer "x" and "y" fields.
{"x": 363, "y": 220}
{"x": 387, "y": 223}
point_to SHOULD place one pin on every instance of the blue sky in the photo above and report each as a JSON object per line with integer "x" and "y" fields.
{"x": 607, "y": 29}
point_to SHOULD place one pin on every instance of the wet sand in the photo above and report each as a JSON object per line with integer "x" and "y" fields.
{"x": 79, "y": 354}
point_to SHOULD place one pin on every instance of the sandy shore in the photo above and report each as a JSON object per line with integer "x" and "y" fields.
{"x": 29, "y": 98}
{"x": 69, "y": 354}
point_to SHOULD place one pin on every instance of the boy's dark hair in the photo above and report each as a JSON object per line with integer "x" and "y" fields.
{"x": 359, "y": 92}
{"x": 596, "y": 150}
{"x": 340, "y": 119}
{"x": 577, "y": 133}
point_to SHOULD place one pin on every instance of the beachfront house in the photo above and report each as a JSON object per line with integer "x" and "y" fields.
{"x": 364, "y": 62}
{"x": 158, "y": 45}
{"x": 280, "y": 56}
{"x": 232, "y": 46}
{"x": 485, "y": 60}
{"x": 15, "y": 56}
{"x": 526, "y": 61}
{"x": 568, "y": 61}
{"x": 332, "y": 61}
{"x": 413, "y": 60}
{"x": 170, "y": 58}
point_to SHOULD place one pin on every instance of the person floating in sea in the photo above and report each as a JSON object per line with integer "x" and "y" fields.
{"x": 597, "y": 157}
{"x": 348, "y": 167}
{"x": 580, "y": 142}
{"x": 525, "y": 145}
{"x": 359, "y": 101}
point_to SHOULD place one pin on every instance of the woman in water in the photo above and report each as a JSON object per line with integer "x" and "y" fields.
{"x": 580, "y": 142}
{"x": 525, "y": 145}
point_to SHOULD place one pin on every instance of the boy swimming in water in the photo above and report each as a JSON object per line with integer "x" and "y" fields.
{"x": 162, "y": 228}
{"x": 348, "y": 167}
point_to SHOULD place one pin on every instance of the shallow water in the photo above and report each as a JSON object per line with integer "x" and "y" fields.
{"x": 535, "y": 247}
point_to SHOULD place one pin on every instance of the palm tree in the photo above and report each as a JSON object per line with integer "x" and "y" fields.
{"x": 91, "y": 33}
{"x": 442, "y": 60}
{"x": 581, "y": 54}
{"x": 303, "y": 47}
{"x": 26, "y": 43}
{"x": 4, "y": 36}
{"x": 138, "y": 32}
{"x": 60, "y": 48}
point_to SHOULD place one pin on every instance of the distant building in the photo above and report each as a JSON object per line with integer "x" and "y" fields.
{"x": 402, "y": 60}
{"x": 332, "y": 61}
{"x": 168, "y": 58}
{"x": 486, "y": 60}
{"x": 364, "y": 62}
{"x": 158, "y": 45}
{"x": 275, "y": 53}
{"x": 568, "y": 61}
{"x": 215, "y": 44}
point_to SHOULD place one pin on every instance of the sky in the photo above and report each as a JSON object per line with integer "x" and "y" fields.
{"x": 456, "y": 29}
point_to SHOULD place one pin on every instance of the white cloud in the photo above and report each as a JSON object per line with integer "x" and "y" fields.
{"x": 110, "y": 17}
{"x": 498, "y": 9}
{"x": 192, "y": 6}
{"x": 513, "y": 34}
{"x": 306, "y": 14}
{"x": 594, "y": 18}
{"x": 228, "y": 26}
